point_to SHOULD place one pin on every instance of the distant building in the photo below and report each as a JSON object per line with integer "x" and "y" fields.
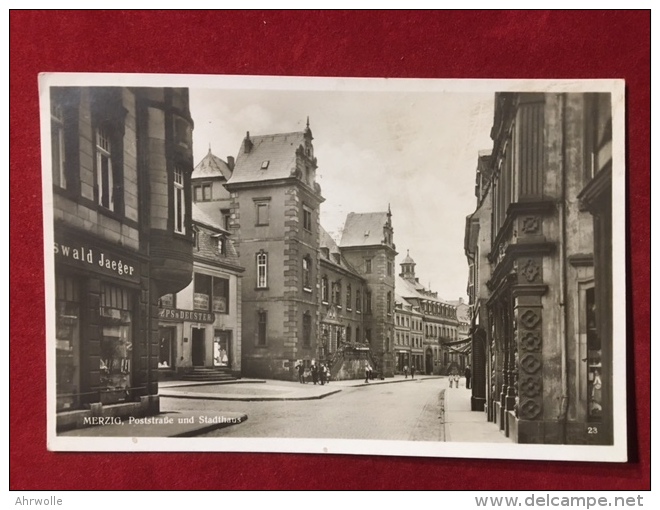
{"x": 121, "y": 165}
{"x": 439, "y": 324}
{"x": 542, "y": 340}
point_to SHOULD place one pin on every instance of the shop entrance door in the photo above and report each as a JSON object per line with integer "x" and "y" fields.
{"x": 222, "y": 348}
{"x": 198, "y": 350}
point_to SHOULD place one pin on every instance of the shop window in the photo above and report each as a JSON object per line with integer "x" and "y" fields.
{"x": 179, "y": 201}
{"x": 166, "y": 347}
{"x": 307, "y": 329}
{"x": 262, "y": 327}
{"x": 67, "y": 343}
{"x": 594, "y": 361}
{"x": 221, "y": 348}
{"x": 116, "y": 321}
{"x": 262, "y": 270}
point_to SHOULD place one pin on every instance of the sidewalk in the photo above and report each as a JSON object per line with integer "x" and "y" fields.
{"x": 464, "y": 425}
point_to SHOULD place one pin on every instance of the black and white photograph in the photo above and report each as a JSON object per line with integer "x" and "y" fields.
{"x": 409, "y": 267}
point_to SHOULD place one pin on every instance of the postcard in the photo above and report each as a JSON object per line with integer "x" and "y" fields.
{"x": 407, "y": 267}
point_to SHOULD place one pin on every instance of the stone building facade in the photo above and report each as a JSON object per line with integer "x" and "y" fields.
{"x": 121, "y": 160}
{"x": 548, "y": 376}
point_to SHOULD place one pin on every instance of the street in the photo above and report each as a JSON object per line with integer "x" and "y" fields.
{"x": 409, "y": 410}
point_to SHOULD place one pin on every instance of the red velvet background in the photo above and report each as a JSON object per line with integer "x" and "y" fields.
{"x": 433, "y": 44}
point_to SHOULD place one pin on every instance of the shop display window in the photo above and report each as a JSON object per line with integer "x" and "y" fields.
{"x": 116, "y": 320}
{"x": 67, "y": 343}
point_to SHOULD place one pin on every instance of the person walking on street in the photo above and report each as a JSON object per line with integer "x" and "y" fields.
{"x": 315, "y": 373}
{"x": 468, "y": 377}
{"x": 301, "y": 372}
{"x": 405, "y": 371}
{"x": 367, "y": 373}
{"x": 322, "y": 375}
{"x": 412, "y": 371}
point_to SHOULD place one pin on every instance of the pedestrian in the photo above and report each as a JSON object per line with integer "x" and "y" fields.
{"x": 301, "y": 372}
{"x": 327, "y": 374}
{"x": 321, "y": 370}
{"x": 405, "y": 371}
{"x": 412, "y": 371}
{"x": 315, "y": 372}
{"x": 367, "y": 373}
{"x": 468, "y": 377}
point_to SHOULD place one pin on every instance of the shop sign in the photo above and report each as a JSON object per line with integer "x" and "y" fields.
{"x": 176, "y": 314}
{"x": 98, "y": 260}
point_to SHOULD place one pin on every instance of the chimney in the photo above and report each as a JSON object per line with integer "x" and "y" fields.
{"x": 231, "y": 162}
{"x": 247, "y": 144}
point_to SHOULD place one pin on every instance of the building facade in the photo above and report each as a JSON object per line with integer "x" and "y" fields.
{"x": 548, "y": 376}
{"x": 200, "y": 326}
{"x": 121, "y": 165}
{"x": 305, "y": 298}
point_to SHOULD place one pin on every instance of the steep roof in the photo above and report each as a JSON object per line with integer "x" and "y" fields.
{"x": 201, "y": 216}
{"x": 363, "y": 229}
{"x": 278, "y": 150}
{"x": 407, "y": 289}
{"x": 211, "y": 166}
{"x": 326, "y": 241}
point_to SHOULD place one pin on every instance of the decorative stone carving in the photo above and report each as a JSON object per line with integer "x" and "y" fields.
{"x": 530, "y": 410}
{"x": 530, "y": 319}
{"x": 530, "y": 363}
{"x": 530, "y": 387}
{"x": 531, "y": 224}
{"x": 530, "y": 341}
{"x": 530, "y": 270}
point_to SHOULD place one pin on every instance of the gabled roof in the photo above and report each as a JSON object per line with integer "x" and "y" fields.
{"x": 363, "y": 229}
{"x": 415, "y": 290}
{"x": 199, "y": 216}
{"x": 269, "y": 157}
{"x": 211, "y": 166}
{"x": 326, "y": 241}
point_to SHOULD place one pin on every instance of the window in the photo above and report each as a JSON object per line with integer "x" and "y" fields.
{"x": 222, "y": 245}
{"x": 348, "y": 334}
{"x": 179, "y": 201}
{"x": 357, "y": 334}
{"x": 57, "y": 143}
{"x": 389, "y": 306}
{"x": 367, "y": 302}
{"x": 307, "y": 329}
{"x": 306, "y": 273}
{"x": 104, "y": 170}
{"x": 262, "y": 270}
{"x": 262, "y": 213}
{"x": 203, "y": 193}
{"x": 307, "y": 218}
{"x": 324, "y": 289}
{"x": 389, "y": 268}
{"x": 182, "y": 132}
{"x": 220, "y": 295}
{"x": 195, "y": 238}
{"x": 116, "y": 353}
{"x": 262, "y": 327}
{"x": 226, "y": 218}
{"x": 202, "y": 291}
{"x": 67, "y": 335}
{"x": 336, "y": 294}
{"x": 367, "y": 266}
{"x": 167, "y": 301}
{"x": 349, "y": 297}
{"x": 367, "y": 335}
{"x": 358, "y": 300}
{"x": 264, "y": 164}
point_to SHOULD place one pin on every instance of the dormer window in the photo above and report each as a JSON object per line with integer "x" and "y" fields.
{"x": 264, "y": 164}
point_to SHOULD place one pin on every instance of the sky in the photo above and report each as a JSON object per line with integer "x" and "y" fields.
{"x": 414, "y": 149}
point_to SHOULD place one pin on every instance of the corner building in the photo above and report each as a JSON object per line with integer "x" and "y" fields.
{"x": 305, "y": 298}
{"x": 546, "y": 303}
{"x": 121, "y": 162}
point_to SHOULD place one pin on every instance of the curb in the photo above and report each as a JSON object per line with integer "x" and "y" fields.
{"x": 249, "y": 399}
